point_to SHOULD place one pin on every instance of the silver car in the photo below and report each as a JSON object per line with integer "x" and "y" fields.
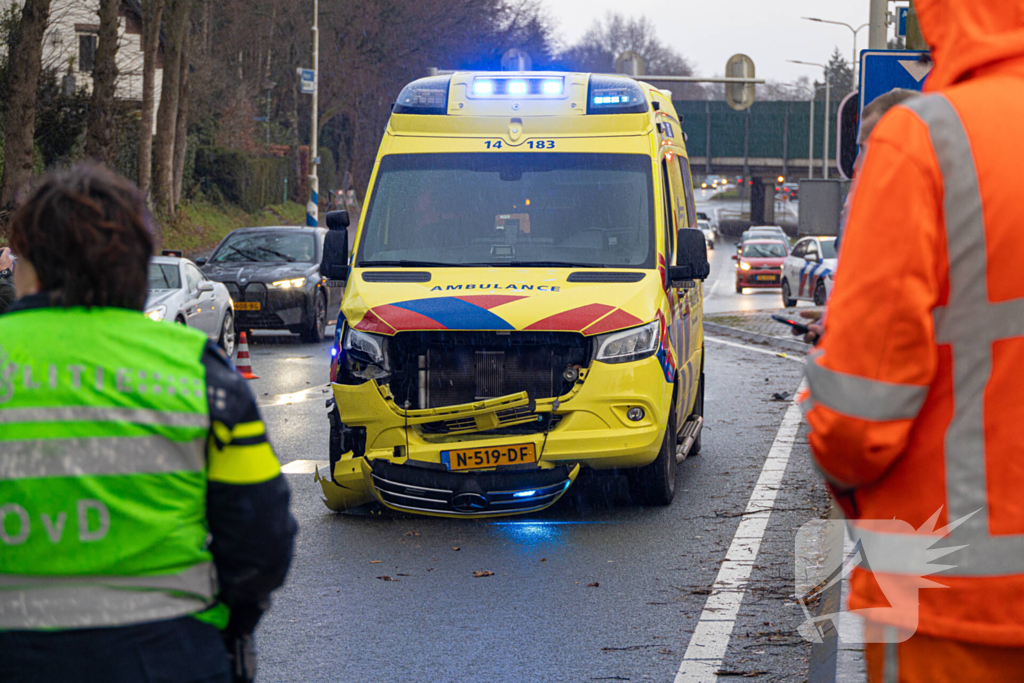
{"x": 180, "y": 293}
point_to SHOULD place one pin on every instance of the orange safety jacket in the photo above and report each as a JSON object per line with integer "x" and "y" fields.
{"x": 916, "y": 402}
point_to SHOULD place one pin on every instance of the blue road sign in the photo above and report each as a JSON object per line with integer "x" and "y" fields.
{"x": 902, "y": 14}
{"x": 884, "y": 70}
{"x": 308, "y": 81}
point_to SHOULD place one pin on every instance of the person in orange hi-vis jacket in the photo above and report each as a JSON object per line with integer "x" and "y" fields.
{"x": 916, "y": 402}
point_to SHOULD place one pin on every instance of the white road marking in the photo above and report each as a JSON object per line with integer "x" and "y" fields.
{"x": 710, "y": 639}
{"x": 302, "y": 466}
{"x": 748, "y": 347}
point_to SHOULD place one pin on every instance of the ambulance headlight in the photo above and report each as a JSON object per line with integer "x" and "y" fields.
{"x": 368, "y": 348}
{"x": 629, "y": 345}
{"x": 365, "y": 355}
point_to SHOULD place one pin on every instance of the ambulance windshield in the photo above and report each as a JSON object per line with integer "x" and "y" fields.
{"x": 511, "y": 209}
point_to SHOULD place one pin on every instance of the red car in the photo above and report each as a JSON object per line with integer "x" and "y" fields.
{"x": 759, "y": 264}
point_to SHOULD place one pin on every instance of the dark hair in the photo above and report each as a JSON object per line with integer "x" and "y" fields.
{"x": 86, "y": 233}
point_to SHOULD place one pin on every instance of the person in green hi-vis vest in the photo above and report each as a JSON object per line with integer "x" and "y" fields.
{"x": 144, "y": 519}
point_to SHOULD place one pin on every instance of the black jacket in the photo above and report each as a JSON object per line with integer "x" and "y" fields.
{"x": 6, "y": 293}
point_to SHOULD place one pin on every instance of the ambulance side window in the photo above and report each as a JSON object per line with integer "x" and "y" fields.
{"x": 670, "y": 213}
{"x": 691, "y": 205}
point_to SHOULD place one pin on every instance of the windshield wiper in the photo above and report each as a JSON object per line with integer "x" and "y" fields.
{"x": 286, "y": 257}
{"x": 403, "y": 263}
{"x": 240, "y": 253}
{"x": 542, "y": 264}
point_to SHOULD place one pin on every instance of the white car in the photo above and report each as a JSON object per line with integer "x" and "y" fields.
{"x": 180, "y": 293}
{"x": 709, "y": 233}
{"x": 809, "y": 270}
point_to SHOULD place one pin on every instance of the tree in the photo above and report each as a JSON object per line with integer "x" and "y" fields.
{"x": 152, "y": 15}
{"x": 25, "y": 64}
{"x": 176, "y": 35}
{"x": 102, "y": 116}
{"x": 840, "y": 76}
{"x": 607, "y": 38}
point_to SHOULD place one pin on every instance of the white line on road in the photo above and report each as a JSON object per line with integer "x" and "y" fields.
{"x": 302, "y": 466}
{"x": 710, "y": 639}
{"x": 748, "y": 347}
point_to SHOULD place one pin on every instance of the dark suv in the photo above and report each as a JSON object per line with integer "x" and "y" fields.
{"x": 273, "y": 277}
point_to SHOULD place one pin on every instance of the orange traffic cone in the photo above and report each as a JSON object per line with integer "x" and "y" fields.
{"x": 244, "y": 365}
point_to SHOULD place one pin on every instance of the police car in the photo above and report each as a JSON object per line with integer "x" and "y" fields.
{"x": 808, "y": 271}
{"x": 180, "y": 293}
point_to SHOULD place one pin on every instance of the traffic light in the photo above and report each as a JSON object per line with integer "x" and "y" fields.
{"x": 848, "y": 127}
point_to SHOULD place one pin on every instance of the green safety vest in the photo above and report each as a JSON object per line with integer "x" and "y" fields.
{"x": 103, "y": 428}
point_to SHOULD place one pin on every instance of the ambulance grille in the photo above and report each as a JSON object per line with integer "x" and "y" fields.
{"x": 463, "y": 367}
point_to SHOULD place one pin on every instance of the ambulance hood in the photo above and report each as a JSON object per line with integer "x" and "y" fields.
{"x": 966, "y": 35}
{"x": 501, "y": 299}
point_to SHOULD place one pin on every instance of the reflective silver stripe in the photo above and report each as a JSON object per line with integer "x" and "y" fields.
{"x": 98, "y": 456}
{"x": 30, "y": 602}
{"x": 968, "y": 296}
{"x": 863, "y": 398}
{"x": 92, "y": 414}
{"x": 907, "y": 554}
{"x": 970, "y": 323}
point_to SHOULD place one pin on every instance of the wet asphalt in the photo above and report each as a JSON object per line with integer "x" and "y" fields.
{"x": 593, "y": 589}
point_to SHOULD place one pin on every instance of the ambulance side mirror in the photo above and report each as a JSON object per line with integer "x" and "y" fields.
{"x": 691, "y": 259}
{"x": 334, "y": 264}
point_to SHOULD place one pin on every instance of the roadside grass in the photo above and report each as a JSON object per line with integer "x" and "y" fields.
{"x": 199, "y": 226}
{"x": 728, "y": 194}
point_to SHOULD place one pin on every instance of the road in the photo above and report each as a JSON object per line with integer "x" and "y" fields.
{"x": 594, "y": 589}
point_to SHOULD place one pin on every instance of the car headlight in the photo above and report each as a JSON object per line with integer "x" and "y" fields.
{"x": 629, "y": 345}
{"x": 366, "y": 355}
{"x": 157, "y": 313}
{"x": 744, "y": 265}
{"x": 288, "y": 284}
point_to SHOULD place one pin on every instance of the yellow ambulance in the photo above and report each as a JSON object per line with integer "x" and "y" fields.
{"x": 523, "y": 299}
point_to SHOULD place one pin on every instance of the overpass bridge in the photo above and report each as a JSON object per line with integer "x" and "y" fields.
{"x": 768, "y": 140}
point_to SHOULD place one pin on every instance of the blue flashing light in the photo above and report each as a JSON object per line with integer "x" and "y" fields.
{"x": 483, "y": 87}
{"x": 517, "y": 87}
{"x": 524, "y": 494}
{"x": 334, "y": 352}
{"x": 552, "y": 87}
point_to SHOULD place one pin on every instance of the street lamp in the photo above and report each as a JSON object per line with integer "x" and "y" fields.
{"x": 828, "y": 111}
{"x": 853, "y": 30}
{"x": 810, "y": 145}
{"x": 313, "y": 205}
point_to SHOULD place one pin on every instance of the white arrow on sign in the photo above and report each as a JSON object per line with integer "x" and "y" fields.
{"x": 916, "y": 68}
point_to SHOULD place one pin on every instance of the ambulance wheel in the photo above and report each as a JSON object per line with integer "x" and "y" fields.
{"x": 787, "y": 299}
{"x": 655, "y": 484}
{"x": 819, "y": 294}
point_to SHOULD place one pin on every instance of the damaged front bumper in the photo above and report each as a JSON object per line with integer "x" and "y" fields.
{"x": 401, "y": 465}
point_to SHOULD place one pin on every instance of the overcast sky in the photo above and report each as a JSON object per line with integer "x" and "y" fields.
{"x": 707, "y": 33}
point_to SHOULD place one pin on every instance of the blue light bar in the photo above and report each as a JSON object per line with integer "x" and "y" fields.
{"x": 552, "y": 87}
{"x": 524, "y": 494}
{"x": 424, "y": 96}
{"x": 483, "y": 87}
{"x": 615, "y": 95}
{"x": 517, "y": 87}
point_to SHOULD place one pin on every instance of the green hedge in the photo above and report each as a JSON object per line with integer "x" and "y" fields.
{"x": 249, "y": 182}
